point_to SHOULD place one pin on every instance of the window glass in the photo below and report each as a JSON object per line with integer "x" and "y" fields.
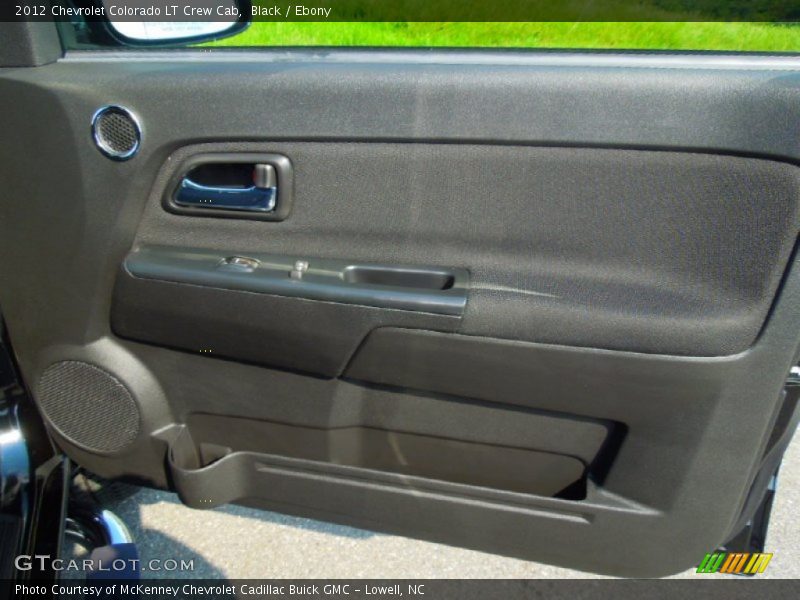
{"x": 721, "y": 25}
{"x": 734, "y": 36}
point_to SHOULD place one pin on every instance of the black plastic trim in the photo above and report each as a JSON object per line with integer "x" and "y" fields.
{"x": 327, "y": 280}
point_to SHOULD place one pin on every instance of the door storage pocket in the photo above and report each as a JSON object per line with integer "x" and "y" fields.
{"x": 219, "y": 459}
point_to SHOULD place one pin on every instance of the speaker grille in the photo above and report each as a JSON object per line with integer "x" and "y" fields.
{"x": 116, "y": 132}
{"x": 88, "y": 406}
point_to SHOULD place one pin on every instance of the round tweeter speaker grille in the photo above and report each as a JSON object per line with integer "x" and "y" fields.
{"x": 89, "y": 406}
{"x": 116, "y": 132}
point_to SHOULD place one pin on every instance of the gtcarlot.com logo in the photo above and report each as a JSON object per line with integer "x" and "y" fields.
{"x": 42, "y": 562}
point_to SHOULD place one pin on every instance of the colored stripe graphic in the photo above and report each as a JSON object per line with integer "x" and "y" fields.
{"x": 734, "y": 563}
{"x": 760, "y": 564}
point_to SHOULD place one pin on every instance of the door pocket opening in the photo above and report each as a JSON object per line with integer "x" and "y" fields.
{"x": 208, "y": 447}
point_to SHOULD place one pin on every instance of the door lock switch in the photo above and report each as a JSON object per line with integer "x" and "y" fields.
{"x": 299, "y": 269}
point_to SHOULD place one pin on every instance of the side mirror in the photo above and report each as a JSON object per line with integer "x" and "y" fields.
{"x": 195, "y": 21}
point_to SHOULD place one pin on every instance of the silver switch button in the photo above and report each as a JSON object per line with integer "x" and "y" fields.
{"x": 299, "y": 269}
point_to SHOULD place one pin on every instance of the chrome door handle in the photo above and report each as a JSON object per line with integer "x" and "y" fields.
{"x": 259, "y": 197}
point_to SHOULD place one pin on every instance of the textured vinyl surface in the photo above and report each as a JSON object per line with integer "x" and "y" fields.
{"x": 232, "y": 541}
{"x": 658, "y": 252}
{"x": 621, "y": 191}
{"x": 89, "y": 406}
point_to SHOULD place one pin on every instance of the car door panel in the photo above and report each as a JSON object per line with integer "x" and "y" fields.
{"x": 622, "y": 229}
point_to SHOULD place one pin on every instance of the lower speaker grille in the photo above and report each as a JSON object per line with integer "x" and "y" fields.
{"x": 88, "y": 406}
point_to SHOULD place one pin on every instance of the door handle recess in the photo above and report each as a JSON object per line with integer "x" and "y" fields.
{"x": 231, "y": 185}
{"x": 259, "y": 197}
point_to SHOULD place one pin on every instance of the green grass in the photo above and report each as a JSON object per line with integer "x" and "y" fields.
{"x": 764, "y": 37}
